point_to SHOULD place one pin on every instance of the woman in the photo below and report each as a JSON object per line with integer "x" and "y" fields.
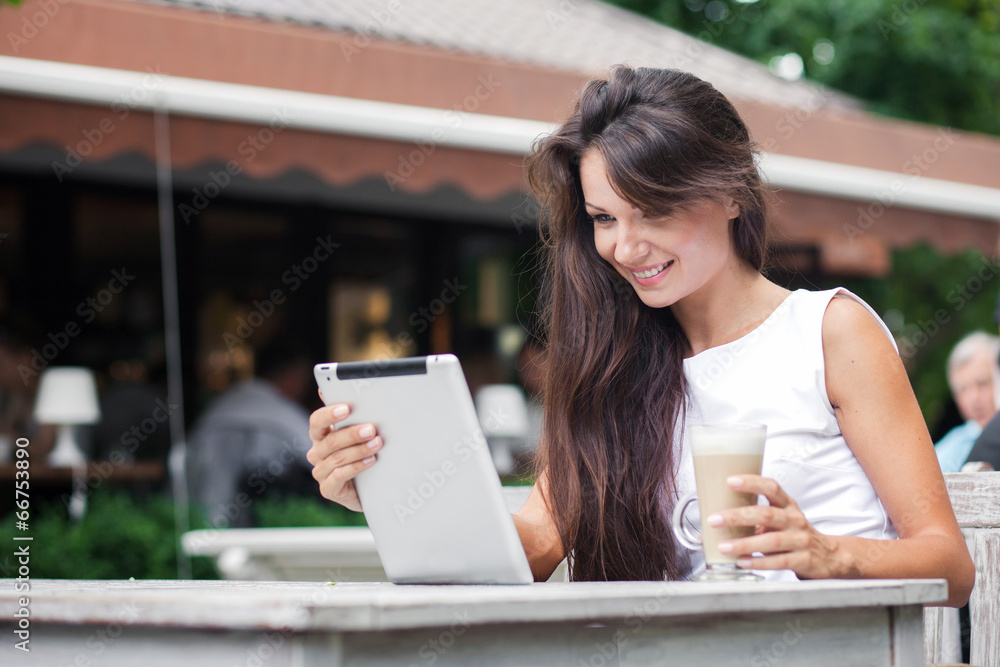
{"x": 657, "y": 313}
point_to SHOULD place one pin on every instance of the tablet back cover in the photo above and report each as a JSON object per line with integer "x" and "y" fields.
{"x": 433, "y": 499}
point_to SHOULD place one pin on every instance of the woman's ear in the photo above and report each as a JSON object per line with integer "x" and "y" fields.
{"x": 733, "y": 209}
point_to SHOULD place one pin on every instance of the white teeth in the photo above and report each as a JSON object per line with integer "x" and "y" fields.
{"x": 649, "y": 273}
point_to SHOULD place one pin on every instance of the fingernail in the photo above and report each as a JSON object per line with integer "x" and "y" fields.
{"x": 744, "y": 563}
{"x": 340, "y": 411}
{"x": 715, "y": 520}
{"x": 374, "y": 442}
{"x": 366, "y": 431}
{"x": 734, "y": 482}
{"x": 725, "y": 547}
{"x": 368, "y": 460}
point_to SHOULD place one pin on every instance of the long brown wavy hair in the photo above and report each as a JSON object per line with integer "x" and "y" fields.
{"x": 614, "y": 380}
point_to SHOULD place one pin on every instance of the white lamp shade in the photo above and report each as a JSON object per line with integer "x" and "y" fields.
{"x": 67, "y": 395}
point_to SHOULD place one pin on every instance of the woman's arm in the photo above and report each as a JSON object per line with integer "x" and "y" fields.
{"x": 538, "y": 533}
{"x": 882, "y": 424}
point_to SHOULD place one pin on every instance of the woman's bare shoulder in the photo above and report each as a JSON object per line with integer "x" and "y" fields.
{"x": 858, "y": 353}
{"x": 848, "y": 323}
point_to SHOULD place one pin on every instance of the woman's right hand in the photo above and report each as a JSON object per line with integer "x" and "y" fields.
{"x": 339, "y": 455}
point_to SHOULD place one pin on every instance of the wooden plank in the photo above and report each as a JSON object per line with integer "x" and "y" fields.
{"x": 819, "y": 638}
{"x": 317, "y": 650}
{"x": 815, "y": 638}
{"x": 907, "y": 636}
{"x": 933, "y": 635}
{"x": 383, "y": 606}
{"x": 984, "y": 606}
{"x": 131, "y": 645}
{"x": 942, "y": 637}
{"x": 807, "y": 623}
{"x": 975, "y": 497}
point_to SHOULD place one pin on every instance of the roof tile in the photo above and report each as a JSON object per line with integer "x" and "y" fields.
{"x": 572, "y": 35}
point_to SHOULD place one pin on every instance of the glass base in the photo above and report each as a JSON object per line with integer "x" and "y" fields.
{"x": 726, "y": 572}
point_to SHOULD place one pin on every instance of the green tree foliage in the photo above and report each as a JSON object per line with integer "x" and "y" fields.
{"x": 935, "y": 61}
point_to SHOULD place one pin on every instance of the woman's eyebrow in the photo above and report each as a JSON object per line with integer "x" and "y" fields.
{"x": 594, "y": 206}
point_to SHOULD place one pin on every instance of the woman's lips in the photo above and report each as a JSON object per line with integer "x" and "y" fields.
{"x": 652, "y": 274}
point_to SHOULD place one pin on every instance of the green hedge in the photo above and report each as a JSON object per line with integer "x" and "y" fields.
{"x": 117, "y": 538}
{"x": 298, "y": 512}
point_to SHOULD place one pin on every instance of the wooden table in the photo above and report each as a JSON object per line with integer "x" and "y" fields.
{"x": 94, "y": 473}
{"x": 151, "y": 623}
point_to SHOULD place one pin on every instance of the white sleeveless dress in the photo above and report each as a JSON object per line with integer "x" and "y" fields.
{"x": 775, "y": 375}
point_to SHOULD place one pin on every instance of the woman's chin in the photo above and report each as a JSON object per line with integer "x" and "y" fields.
{"x": 654, "y": 300}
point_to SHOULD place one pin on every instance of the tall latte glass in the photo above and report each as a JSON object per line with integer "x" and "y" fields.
{"x": 720, "y": 451}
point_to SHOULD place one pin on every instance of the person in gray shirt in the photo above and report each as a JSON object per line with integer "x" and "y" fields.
{"x": 252, "y": 440}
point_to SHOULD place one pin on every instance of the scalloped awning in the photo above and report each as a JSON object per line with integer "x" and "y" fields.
{"x": 276, "y": 98}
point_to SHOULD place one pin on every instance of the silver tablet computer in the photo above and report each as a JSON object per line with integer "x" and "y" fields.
{"x": 433, "y": 499}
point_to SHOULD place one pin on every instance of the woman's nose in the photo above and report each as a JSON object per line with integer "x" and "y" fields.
{"x": 629, "y": 246}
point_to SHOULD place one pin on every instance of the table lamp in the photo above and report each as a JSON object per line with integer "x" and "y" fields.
{"x": 67, "y": 396}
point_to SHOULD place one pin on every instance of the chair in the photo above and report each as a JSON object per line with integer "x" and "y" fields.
{"x": 975, "y": 498}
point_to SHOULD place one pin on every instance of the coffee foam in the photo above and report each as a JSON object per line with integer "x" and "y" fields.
{"x": 715, "y": 439}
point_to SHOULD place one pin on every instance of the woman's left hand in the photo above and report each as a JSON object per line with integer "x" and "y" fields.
{"x": 783, "y": 534}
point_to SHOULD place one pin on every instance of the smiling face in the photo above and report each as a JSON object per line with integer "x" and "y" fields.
{"x": 664, "y": 258}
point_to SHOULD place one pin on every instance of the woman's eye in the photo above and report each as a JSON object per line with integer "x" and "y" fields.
{"x": 600, "y": 218}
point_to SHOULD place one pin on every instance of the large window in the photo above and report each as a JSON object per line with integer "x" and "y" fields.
{"x": 344, "y": 285}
